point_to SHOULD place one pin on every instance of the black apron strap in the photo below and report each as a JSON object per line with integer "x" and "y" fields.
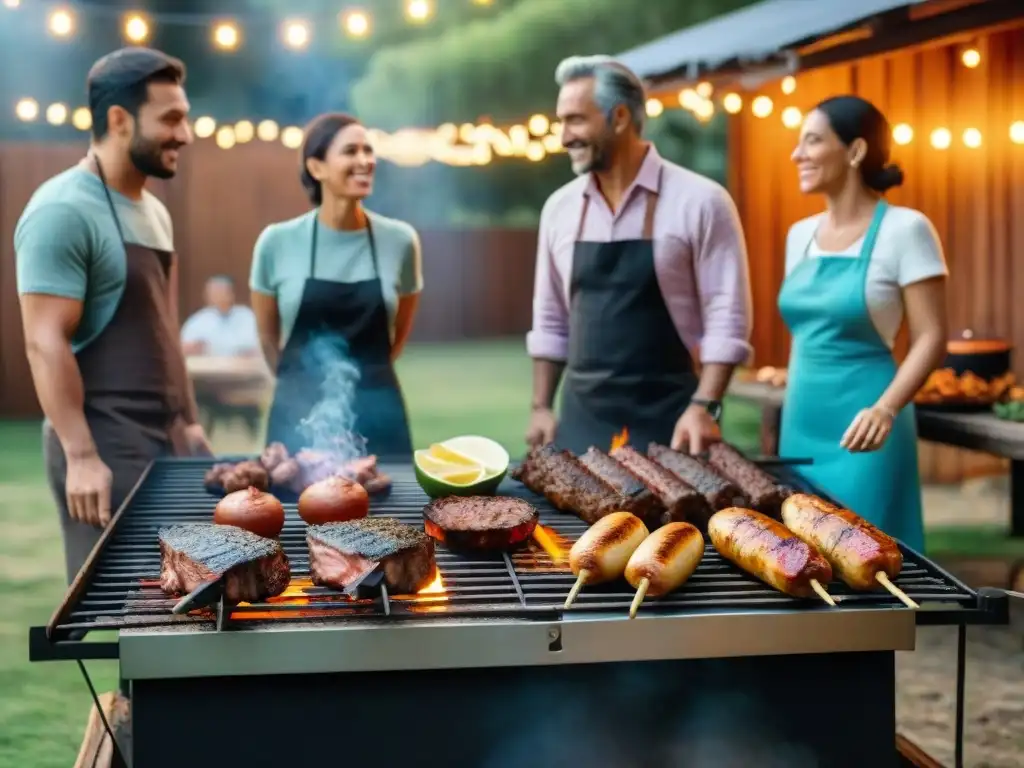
{"x": 650, "y": 205}
{"x": 313, "y": 239}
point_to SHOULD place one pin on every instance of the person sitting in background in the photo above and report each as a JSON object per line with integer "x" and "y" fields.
{"x": 222, "y": 328}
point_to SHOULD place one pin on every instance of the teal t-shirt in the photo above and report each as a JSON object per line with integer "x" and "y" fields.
{"x": 280, "y": 262}
{"x": 66, "y": 244}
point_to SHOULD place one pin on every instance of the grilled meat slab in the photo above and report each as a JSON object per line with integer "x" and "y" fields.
{"x": 638, "y": 498}
{"x": 480, "y": 522}
{"x": 340, "y": 554}
{"x": 683, "y": 504}
{"x": 253, "y": 568}
{"x": 569, "y": 486}
{"x": 766, "y": 494}
{"x": 719, "y": 491}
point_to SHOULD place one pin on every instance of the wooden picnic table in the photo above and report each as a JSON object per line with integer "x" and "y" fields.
{"x": 977, "y": 431}
{"x": 227, "y": 387}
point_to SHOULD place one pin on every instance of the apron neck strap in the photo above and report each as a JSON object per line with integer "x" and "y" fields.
{"x": 872, "y": 234}
{"x": 312, "y": 244}
{"x": 110, "y": 199}
{"x": 650, "y": 204}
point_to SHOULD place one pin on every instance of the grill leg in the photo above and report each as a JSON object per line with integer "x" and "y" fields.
{"x": 961, "y": 673}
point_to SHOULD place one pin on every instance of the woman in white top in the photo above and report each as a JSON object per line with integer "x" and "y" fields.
{"x": 852, "y": 273}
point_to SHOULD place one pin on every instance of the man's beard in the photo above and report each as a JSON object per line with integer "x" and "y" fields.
{"x": 600, "y": 158}
{"x": 147, "y": 156}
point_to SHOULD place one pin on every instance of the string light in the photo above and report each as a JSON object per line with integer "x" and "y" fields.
{"x": 225, "y": 36}
{"x": 204, "y": 127}
{"x": 61, "y": 23}
{"x": 81, "y": 118}
{"x": 244, "y": 131}
{"x": 732, "y": 103}
{"x": 1017, "y": 132}
{"x": 791, "y": 117}
{"x": 761, "y": 106}
{"x": 788, "y": 84}
{"x": 539, "y": 125}
{"x": 689, "y": 99}
{"x": 704, "y": 111}
{"x": 902, "y": 134}
{"x": 705, "y": 89}
{"x": 941, "y": 138}
{"x": 56, "y": 114}
{"x": 971, "y": 58}
{"x": 267, "y": 130}
{"x": 355, "y": 23}
{"x": 654, "y": 107}
{"x": 296, "y": 34}
{"x": 12, "y": 4}
{"x": 972, "y": 138}
{"x": 291, "y": 137}
{"x": 27, "y": 110}
{"x": 136, "y": 28}
{"x": 535, "y": 151}
{"x": 225, "y": 137}
{"x": 418, "y": 10}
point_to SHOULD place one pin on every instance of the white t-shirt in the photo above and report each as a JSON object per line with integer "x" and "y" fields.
{"x": 906, "y": 251}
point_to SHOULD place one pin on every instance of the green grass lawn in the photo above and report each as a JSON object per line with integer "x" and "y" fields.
{"x": 451, "y": 390}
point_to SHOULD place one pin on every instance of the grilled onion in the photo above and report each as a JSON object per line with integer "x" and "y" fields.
{"x": 254, "y": 510}
{"x": 333, "y": 500}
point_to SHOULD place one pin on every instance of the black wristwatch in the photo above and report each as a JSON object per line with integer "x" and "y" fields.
{"x": 714, "y": 407}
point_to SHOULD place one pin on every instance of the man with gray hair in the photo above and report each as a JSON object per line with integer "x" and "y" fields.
{"x": 641, "y": 271}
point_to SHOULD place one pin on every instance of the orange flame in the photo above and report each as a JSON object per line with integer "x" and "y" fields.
{"x": 436, "y": 586}
{"x": 547, "y": 541}
{"x": 620, "y": 439}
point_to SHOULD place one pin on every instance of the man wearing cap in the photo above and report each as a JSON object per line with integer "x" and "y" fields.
{"x": 97, "y": 280}
{"x": 642, "y": 296}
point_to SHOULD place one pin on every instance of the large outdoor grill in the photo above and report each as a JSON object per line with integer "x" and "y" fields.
{"x": 484, "y": 668}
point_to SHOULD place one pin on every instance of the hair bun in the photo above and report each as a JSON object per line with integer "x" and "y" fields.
{"x": 885, "y": 178}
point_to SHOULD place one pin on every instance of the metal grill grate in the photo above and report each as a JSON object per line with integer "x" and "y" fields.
{"x": 121, "y": 587}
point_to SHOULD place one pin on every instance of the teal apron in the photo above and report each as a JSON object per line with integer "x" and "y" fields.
{"x": 839, "y": 365}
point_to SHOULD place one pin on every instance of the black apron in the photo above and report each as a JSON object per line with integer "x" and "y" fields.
{"x": 627, "y": 366}
{"x": 340, "y": 322}
{"x": 137, "y": 400}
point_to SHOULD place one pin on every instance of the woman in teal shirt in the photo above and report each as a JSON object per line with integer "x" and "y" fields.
{"x": 335, "y": 293}
{"x": 853, "y": 273}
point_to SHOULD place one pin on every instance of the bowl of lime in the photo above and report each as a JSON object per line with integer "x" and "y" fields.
{"x": 469, "y": 465}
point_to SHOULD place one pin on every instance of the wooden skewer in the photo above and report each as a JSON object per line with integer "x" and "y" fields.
{"x": 896, "y": 591}
{"x": 639, "y": 598}
{"x": 580, "y": 580}
{"x": 816, "y": 586}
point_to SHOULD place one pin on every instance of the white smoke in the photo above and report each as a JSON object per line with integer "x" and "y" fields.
{"x": 330, "y": 427}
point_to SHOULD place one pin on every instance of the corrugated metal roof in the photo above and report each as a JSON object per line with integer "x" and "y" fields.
{"x": 752, "y": 33}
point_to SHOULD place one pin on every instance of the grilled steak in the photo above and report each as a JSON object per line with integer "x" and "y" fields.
{"x": 682, "y": 503}
{"x": 638, "y": 498}
{"x": 253, "y": 568}
{"x": 341, "y": 554}
{"x": 480, "y": 522}
{"x": 567, "y": 484}
{"x": 719, "y": 491}
{"x": 766, "y": 494}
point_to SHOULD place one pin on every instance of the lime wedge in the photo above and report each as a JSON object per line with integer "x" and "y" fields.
{"x": 450, "y": 456}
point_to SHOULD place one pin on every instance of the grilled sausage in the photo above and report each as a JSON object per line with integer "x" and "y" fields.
{"x": 637, "y": 498}
{"x": 765, "y": 548}
{"x": 604, "y": 549}
{"x": 719, "y": 491}
{"x": 764, "y": 491}
{"x": 682, "y": 503}
{"x": 856, "y": 550}
{"x": 666, "y": 558}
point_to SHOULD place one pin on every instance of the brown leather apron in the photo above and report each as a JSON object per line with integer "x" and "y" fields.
{"x": 137, "y": 398}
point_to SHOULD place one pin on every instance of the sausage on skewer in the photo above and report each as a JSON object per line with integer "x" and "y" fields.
{"x": 859, "y": 553}
{"x": 766, "y": 549}
{"x": 664, "y": 561}
{"x": 601, "y": 553}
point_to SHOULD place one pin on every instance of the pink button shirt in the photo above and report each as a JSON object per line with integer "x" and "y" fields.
{"x": 699, "y": 258}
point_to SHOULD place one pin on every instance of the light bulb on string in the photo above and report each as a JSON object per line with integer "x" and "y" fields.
{"x": 27, "y": 110}
{"x": 355, "y": 23}
{"x": 81, "y": 118}
{"x": 56, "y": 114}
{"x": 136, "y": 28}
{"x": 902, "y": 134}
{"x": 418, "y": 10}
{"x": 296, "y": 34}
{"x": 61, "y": 23}
{"x": 226, "y": 36}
